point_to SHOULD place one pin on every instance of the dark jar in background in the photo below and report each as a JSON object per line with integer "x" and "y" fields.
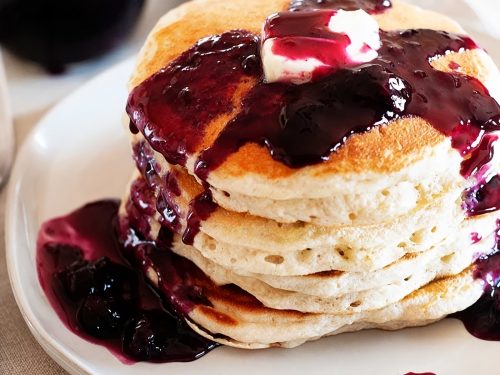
{"x": 55, "y": 33}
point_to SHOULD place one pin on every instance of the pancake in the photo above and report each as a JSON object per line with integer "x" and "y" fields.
{"x": 249, "y": 244}
{"x": 389, "y": 285}
{"x": 426, "y": 306}
{"x": 258, "y": 247}
{"x": 387, "y": 150}
{"x": 343, "y": 302}
{"x": 353, "y": 195}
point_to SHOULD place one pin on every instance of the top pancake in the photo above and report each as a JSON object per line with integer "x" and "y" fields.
{"x": 252, "y": 171}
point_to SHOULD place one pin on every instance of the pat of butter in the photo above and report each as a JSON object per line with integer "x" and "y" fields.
{"x": 278, "y": 68}
{"x": 360, "y": 46}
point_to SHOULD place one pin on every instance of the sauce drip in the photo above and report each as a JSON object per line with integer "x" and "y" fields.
{"x": 483, "y": 197}
{"x": 168, "y": 191}
{"x": 200, "y": 209}
{"x": 101, "y": 297}
{"x": 482, "y": 319}
{"x": 182, "y": 94}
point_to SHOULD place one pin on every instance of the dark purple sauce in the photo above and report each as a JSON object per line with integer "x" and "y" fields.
{"x": 475, "y": 238}
{"x": 174, "y": 107}
{"x": 303, "y": 124}
{"x": 166, "y": 205}
{"x": 483, "y": 197}
{"x": 141, "y": 195}
{"x": 193, "y": 90}
{"x": 146, "y": 164}
{"x": 370, "y": 6}
{"x": 179, "y": 280}
{"x": 100, "y": 297}
{"x": 200, "y": 209}
{"x": 168, "y": 189}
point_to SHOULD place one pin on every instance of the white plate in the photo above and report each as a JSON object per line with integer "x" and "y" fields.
{"x": 79, "y": 153}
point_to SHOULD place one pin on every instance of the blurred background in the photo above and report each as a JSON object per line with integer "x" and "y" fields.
{"x": 50, "y": 47}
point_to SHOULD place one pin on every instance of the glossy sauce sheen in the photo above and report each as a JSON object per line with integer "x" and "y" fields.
{"x": 483, "y": 318}
{"x": 100, "y": 297}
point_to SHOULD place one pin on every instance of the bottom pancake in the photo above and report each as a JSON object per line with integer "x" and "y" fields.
{"x": 231, "y": 316}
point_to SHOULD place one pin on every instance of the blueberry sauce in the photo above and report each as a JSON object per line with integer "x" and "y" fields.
{"x": 303, "y": 124}
{"x": 174, "y": 107}
{"x": 483, "y": 197}
{"x": 146, "y": 164}
{"x": 101, "y": 297}
{"x": 200, "y": 209}
{"x": 166, "y": 205}
{"x": 184, "y": 92}
{"x": 166, "y": 187}
{"x": 453, "y": 65}
{"x": 370, "y": 6}
{"x": 475, "y": 238}
{"x": 168, "y": 190}
{"x": 478, "y": 155}
{"x": 141, "y": 195}
{"x": 179, "y": 280}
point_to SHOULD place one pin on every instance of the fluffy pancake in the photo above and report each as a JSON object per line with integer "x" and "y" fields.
{"x": 251, "y": 171}
{"x": 263, "y": 254}
{"x": 249, "y": 244}
{"x": 343, "y": 302}
{"x": 351, "y": 195}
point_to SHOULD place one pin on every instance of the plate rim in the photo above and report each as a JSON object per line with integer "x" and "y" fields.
{"x": 54, "y": 349}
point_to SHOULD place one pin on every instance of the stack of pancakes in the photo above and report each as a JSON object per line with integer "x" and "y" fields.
{"x": 374, "y": 237}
